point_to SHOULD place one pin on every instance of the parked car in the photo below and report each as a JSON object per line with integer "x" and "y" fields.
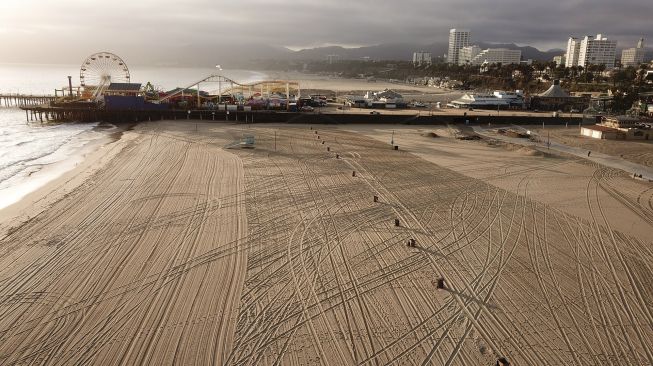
{"x": 375, "y": 112}
{"x": 307, "y": 108}
{"x": 573, "y": 110}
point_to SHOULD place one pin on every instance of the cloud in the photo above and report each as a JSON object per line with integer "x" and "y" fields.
{"x": 68, "y": 29}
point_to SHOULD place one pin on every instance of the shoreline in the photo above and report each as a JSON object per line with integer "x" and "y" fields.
{"x": 50, "y": 184}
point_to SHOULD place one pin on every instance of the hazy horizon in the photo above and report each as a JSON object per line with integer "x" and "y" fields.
{"x": 165, "y": 32}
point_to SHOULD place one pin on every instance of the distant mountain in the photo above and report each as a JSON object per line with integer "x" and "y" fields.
{"x": 386, "y": 51}
{"x": 527, "y": 52}
{"x": 233, "y": 55}
{"x": 236, "y": 55}
{"x": 404, "y": 51}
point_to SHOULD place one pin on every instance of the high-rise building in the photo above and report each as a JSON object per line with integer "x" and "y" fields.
{"x": 458, "y": 38}
{"x": 597, "y": 51}
{"x": 633, "y": 56}
{"x": 573, "y": 51}
{"x": 421, "y": 58}
{"x": 590, "y": 51}
{"x": 474, "y": 55}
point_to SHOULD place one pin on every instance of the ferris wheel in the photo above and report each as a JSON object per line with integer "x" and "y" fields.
{"x": 101, "y": 69}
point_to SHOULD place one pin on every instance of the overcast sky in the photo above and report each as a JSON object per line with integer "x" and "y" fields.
{"x": 42, "y": 31}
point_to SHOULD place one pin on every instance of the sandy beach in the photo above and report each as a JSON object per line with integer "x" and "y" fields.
{"x": 166, "y": 247}
{"x": 637, "y": 151}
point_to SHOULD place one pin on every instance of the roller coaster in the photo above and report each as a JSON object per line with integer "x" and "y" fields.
{"x": 263, "y": 88}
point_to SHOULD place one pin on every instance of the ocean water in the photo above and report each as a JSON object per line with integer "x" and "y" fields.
{"x": 27, "y": 150}
{"x": 31, "y": 154}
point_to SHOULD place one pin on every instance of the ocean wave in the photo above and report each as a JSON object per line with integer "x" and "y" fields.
{"x": 23, "y": 146}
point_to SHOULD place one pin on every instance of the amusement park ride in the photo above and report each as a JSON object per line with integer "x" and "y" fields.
{"x": 106, "y": 91}
{"x": 266, "y": 88}
{"x": 99, "y": 70}
{"x": 105, "y": 73}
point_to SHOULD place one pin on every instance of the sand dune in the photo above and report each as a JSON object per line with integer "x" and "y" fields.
{"x": 180, "y": 252}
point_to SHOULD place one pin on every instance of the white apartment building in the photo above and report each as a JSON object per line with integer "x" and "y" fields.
{"x": 573, "y": 51}
{"x": 633, "y": 56}
{"x": 559, "y": 60}
{"x": 458, "y": 38}
{"x": 591, "y": 51}
{"x": 473, "y": 55}
{"x": 597, "y": 51}
{"x": 332, "y": 59}
{"x": 421, "y": 58}
{"x": 467, "y": 54}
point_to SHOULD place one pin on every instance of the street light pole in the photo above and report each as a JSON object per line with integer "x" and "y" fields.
{"x": 199, "y": 102}
{"x": 219, "y": 84}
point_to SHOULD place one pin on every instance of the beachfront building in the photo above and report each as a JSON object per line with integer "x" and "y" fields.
{"x": 597, "y": 51}
{"x": 498, "y": 99}
{"x": 458, "y": 38}
{"x": 421, "y": 58}
{"x": 557, "y": 99}
{"x": 590, "y": 50}
{"x": 559, "y": 60}
{"x": 618, "y": 127}
{"x": 573, "y": 51}
{"x": 473, "y": 55}
{"x": 123, "y": 89}
{"x": 467, "y": 54}
{"x": 386, "y": 98}
{"x": 633, "y": 56}
{"x": 599, "y": 132}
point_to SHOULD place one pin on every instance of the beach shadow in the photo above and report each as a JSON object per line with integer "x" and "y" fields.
{"x": 471, "y": 299}
{"x": 388, "y": 204}
{"x": 429, "y": 251}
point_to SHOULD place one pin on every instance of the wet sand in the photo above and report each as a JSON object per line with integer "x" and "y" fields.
{"x": 174, "y": 249}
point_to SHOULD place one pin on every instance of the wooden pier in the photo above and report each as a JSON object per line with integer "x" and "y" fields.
{"x": 93, "y": 112}
{"x": 73, "y": 113}
{"x": 22, "y": 100}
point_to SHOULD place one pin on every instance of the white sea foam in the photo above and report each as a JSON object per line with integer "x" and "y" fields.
{"x": 32, "y": 155}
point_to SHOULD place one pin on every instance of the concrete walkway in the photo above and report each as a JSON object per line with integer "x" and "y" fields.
{"x": 603, "y": 159}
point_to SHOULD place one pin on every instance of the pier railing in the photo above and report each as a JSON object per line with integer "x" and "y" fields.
{"x": 21, "y": 100}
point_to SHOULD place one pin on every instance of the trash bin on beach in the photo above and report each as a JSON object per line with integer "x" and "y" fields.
{"x": 440, "y": 284}
{"x": 502, "y": 362}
